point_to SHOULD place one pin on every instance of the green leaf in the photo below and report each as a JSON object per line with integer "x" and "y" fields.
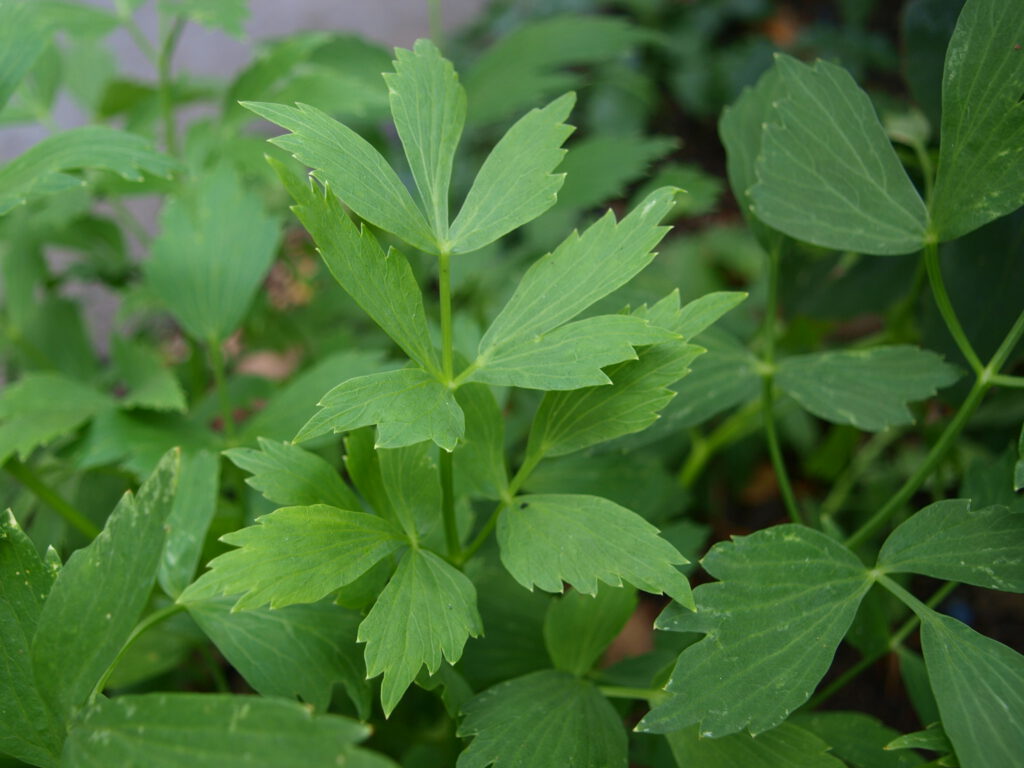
{"x": 195, "y": 504}
{"x": 578, "y": 628}
{"x": 1018, "y": 468}
{"x": 570, "y": 357}
{"x": 42, "y": 170}
{"x": 100, "y": 593}
{"x": 949, "y": 540}
{"x": 22, "y": 39}
{"x": 290, "y": 476}
{"x": 979, "y": 686}
{"x": 215, "y": 246}
{"x": 787, "y": 746}
{"x": 429, "y": 107}
{"x": 413, "y": 486}
{"x": 351, "y": 168}
{"x": 515, "y": 184}
{"x": 27, "y": 727}
{"x": 981, "y": 156}
{"x": 546, "y": 719}
{"x": 198, "y": 730}
{"x": 362, "y": 461}
{"x": 860, "y": 740}
{"x": 228, "y": 15}
{"x": 479, "y": 464}
{"x": 549, "y": 539}
{"x": 932, "y": 739}
{"x": 150, "y": 383}
{"x": 40, "y": 407}
{"x": 300, "y": 650}
{"x": 827, "y": 173}
{"x": 425, "y": 613}
{"x": 867, "y": 388}
{"x": 383, "y": 285}
{"x": 408, "y": 406}
{"x": 700, "y": 314}
{"x": 785, "y": 597}
{"x": 609, "y": 253}
{"x": 296, "y": 555}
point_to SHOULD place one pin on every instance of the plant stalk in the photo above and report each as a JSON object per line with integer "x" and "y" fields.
{"x": 945, "y": 305}
{"x": 152, "y": 620}
{"x": 27, "y": 476}
{"x": 217, "y": 365}
{"x": 166, "y": 84}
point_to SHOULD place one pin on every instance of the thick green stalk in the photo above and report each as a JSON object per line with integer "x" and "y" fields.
{"x": 27, "y": 476}
{"x": 451, "y": 530}
{"x": 444, "y": 283}
{"x": 166, "y": 84}
{"x": 652, "y": 695}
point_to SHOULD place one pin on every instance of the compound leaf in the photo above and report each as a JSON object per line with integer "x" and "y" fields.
{"x": 787, "y": 746}
{"x": 785, "y": 598}
{"x": 408, "y": 406}
{"x": 429, "y": 108}
{"x": 296, "y": 555}
{"x": 425, "y": 614}
{"x": 552, "y": 539}
{"x": 545, "y": 719}
{"x": 578, "y": 627}
{"x": 981, "y": 156}
{"x": 515, "y": 184}
{"x": 827, "y": 173}
{"x": 868, "y": 389}
{"x": 191, "y": 513}
{"x": 351, "y": 168}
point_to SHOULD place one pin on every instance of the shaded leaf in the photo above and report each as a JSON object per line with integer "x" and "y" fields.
{"x": 479, "y": 464}
{"x": 860, "y": 740}
{"x": 194, "y": 506}
{"x": 150, "y": 383}
{"x": 413, "y": 488}
{"x": 787, "y": 746}
{"x": 578, "y": 627}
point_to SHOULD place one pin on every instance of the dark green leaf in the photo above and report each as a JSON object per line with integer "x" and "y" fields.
{"x": 194, "y": 506}
{"x": 413, "y": 487}
{"x": 932, "y": 739}
{"x": 787, "y": 746}
{"x": 479, "y": 464}
{"x": 1018, "y": 468}
{"x": 150, "y": 383}
{"x": 858, "y": 739}
{"x": 578, "y": 627}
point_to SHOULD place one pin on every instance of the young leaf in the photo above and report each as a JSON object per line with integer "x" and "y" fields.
{"x": 949, "y": 540}
{"x": 296, "y": 555}
{"x": 429, "y": 107}
{"x": 170, "y": 730}
{"x": 100, "y": 593}
{"x": 981, "y": 156}
{"x": 22, "y": 39}
{"x": 425, "y": 613}
{"x": 787, "y": 746}
{"x": 408, "y": 406}
{"x": 785, "y": 598}
{"x": 351, "y": 168}
{"x": 383, "y": 285}
{"x": 215, "y": 246}
{"x": 546, "y": 540}
{"x": 41, "y": 170}
{"x": 866, "y": 388}
{"x": 827, "y": 173}
{"x": 979, "y": 685}
{"x": 194, "y": 506}
{"x": 479, "y": 465}
{"x": 28, "y": 730}
{"x": 300, "y": 650}
{"x": 40, "y": 407}
{"x": 290, "y": 476}
{"x": 578, "y": 628}
{"x": 151, "y": 384}
{"x": 546, "y": 719}
{"x": 515, "y": 184}
{"x": 569, "y": 357}
{"x": 413, "y": 487}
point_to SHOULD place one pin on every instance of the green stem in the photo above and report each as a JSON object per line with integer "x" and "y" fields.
{"x": 451, "y": 530}
{"x": 165, "y": 86}
{"x": 141, "y": 42}
{"x": 444, "y": 283}
{"x": 904, "y": 596}
{"x": 217, "y": 364}
{"x": 945, "y": 305}
{"x": 220, "y": 681}
{"x": 1002, "y": 380}
{"x": 153, "y": 619}
{"x": 653, "y": 695}
{"x": 436, "y": 22}
{"x": 846, "y": 482}
{"x": 737, "y": 425}
{"x": 27, "y": 476}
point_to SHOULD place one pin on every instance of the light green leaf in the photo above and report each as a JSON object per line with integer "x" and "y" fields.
{"x": 979, "y": 686}
{"x": 425, "y": 614}
{"x": 571, "y": 421}
{"x": 22, "y": 39}
{"x": 150, "y": 383}
{"x": 76, "y": 19}
{"x": 578, "y": 628}
{"x": 949, "y": 540}
{"x": 787, "y": 746}
{"x": 351, "y": 168}
{"x": 215, "y": 246}
{"x": 546, "y": 719}
{"x": 867, "y": 388}
{"x": 42, "y": 169}
{"x": 100, "y": 593}
{"x": 290, "y": 476}
{"x": 609, "y": 253}
{"x": 194, "y": 506}
{"x": 570, "y": 357}
{"x": 981, "y": 156}
{"x": 300, "y": 650}
{"x": 408, "y": 406}
{"x": 479, "y": 464}
{"x": 296, "y": 555}
{"x": 785, "y": 597}
{"x": 28, "y": 730}
{"x": 860, "y": 740}
{"x": 827, "y": 173}
{"x": 413, "y": 487}
{"x": 549, "y": 539}
{"x": 429, "y": 107}
{"x": 198, "y": 730}
{"x": 700, "y": 314}
{"x": 515, "y": 184}
{"x": 383, "y": 285}
{"x": 229, "y": 15}
{"x": 362, "y": 461}
{"x": 40, "y": 407}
